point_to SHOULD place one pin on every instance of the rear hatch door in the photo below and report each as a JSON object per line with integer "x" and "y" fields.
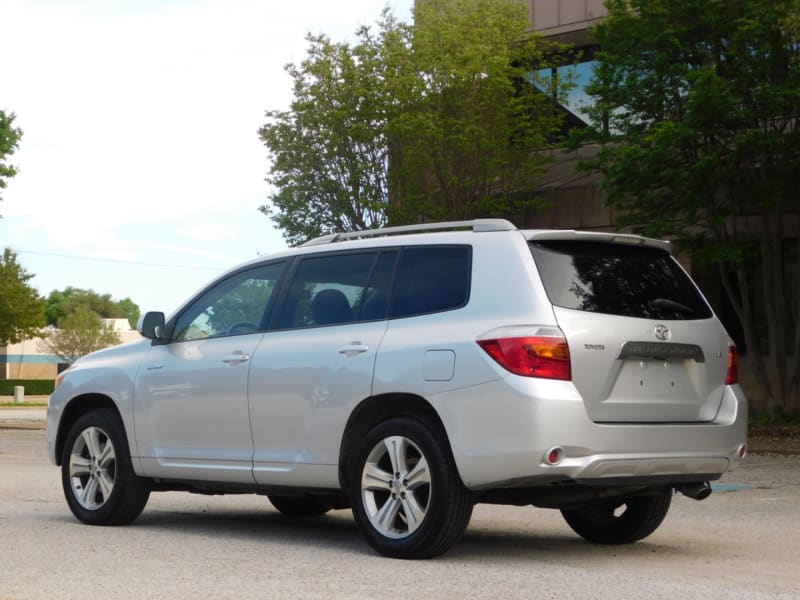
{"x": 644, "y": 344}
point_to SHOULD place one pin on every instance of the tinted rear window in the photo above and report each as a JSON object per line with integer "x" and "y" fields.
{"x": 631, "y": 281}
{"x": 431, "y": 279}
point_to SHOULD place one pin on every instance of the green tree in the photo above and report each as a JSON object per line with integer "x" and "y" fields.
{"x": 61, "y": 303}
{"x": 9, "y": 140}
{"x": 470, "y": 115}
{"x": 328, "y": 151}
{"x": 407, "y": 123}
{"x": 702, "y": 104}
{"x": 130, "y": 310}
{"x": 21, "y": 308}
{"x": 79, "y": 333}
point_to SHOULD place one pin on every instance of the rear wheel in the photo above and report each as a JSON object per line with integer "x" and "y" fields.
{"x": 408, "y": 499}
{"x": 299, "y": 506}
{"x": 620, "y": 521}
{"x": 96, "y": 472}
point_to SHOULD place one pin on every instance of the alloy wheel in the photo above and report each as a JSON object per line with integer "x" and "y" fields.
{"x": 396, "y": 487}
{"x": 92, "y": 468}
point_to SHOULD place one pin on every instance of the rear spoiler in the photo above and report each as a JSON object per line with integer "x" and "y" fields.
{"x": 627, "y": 239}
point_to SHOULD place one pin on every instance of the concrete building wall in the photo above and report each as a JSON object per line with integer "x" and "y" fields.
{"x": 565, "y": 20}
{"x": 27, "y": 360}
{"x": 30, "y": 359}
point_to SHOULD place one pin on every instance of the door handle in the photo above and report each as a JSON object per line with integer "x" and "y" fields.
{"x": 353, "y": 349}
{"x": 237, "y": 357}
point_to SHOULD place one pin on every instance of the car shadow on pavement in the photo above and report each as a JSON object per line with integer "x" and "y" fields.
{"x": 508, "y": 544}
{"x": 337, "y": 532}
{"x": 334, "y": 530}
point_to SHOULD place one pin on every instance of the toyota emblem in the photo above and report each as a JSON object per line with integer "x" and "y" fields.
{"x": 662, "y": 332}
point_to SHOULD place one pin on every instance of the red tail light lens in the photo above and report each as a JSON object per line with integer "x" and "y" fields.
{"x": 732, "y": 376}
{"x": 544, "y": 357}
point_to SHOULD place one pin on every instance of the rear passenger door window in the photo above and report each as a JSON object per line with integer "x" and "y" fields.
{"x": 338, "y": 289}
{"x": 431, "y": 279}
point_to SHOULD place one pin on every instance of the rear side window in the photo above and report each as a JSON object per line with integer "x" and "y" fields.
{"x": 431, "y": 279}
{"x": 631, "y": 281}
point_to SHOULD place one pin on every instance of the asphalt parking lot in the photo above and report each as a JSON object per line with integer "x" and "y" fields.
{"x": 743, "y": 542}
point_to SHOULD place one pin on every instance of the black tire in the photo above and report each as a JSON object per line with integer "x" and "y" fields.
{"x": 603, "y": 523}
{"x": 299, "y": 506}
{"x": 425, "y": 504}
{"x": 96, "y": 473}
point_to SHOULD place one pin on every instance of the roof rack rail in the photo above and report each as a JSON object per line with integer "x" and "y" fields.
{"x": 476, "y": 225}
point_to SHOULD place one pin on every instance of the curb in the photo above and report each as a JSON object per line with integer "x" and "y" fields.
{"x": 23, "y": 417}
{"x": 29, "y": 424}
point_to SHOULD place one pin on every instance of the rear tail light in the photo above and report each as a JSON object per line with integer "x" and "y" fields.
{"x": 538, "y": 356}
{"x": 732, "y": 376}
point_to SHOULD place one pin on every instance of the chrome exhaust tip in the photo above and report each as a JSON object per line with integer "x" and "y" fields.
{"x": 695, "y": 491}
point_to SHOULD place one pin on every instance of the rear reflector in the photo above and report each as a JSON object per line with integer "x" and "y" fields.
{"x": 732, "y": 375}
{"x": 554, "y": 455}
{"x": 544, "y": 357}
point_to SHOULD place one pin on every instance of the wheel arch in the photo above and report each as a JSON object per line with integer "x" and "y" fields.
{"x": 375, "y": 409}
{"x": 78, "y": 406}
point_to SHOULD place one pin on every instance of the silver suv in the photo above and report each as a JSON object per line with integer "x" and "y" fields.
{"x": 411, "y": 372}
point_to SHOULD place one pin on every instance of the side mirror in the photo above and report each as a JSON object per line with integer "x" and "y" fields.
{"x": 152, "y": 326}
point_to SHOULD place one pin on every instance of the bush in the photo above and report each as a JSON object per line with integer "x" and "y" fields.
{"x": 33, "y": 387}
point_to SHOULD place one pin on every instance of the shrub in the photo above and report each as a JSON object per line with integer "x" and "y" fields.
{"x": 33, "y": 387}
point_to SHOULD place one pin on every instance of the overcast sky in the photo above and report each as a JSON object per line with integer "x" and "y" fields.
{"x": 140, "y": 167}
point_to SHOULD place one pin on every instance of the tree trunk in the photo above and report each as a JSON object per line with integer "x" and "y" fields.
{"x": 774, "y": 302}
{"x": 793, "y": 375}
{"x": 739, "y": 297}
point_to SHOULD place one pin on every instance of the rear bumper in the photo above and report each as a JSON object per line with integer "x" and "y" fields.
{"x": 501, "y": 433}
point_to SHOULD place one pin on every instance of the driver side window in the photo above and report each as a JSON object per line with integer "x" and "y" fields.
{"x": 234, "y": 306}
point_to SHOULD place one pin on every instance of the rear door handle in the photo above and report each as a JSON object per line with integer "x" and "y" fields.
{"x": 353, "y": 349}
{"x": 236, "y": 358}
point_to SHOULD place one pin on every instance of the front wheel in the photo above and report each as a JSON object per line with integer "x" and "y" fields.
{"x": 620, "y": 521}
{"x": 96, "y": 472}
{"x": 408, "y": 499}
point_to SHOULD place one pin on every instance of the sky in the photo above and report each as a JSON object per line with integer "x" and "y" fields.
{"x": 140, "y": 167}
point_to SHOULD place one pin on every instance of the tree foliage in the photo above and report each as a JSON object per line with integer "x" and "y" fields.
{"x": 9, "y": 140}
{"x": 702, "y": 104}
{"x": 79, "y": 333}
{"x": 329, "y": 152}
{"x": 409, "y": 123}
{"x": 21, "y": 308}
{"x": 61, "y": 303}
{"x": 471, "y": 115}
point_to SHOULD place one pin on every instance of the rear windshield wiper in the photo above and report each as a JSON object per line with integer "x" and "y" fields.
{"x": 670, "y": 305}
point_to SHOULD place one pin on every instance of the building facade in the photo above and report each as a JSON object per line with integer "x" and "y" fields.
{"x": 32, "y": 359}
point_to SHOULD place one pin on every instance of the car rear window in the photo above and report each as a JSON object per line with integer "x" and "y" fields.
{"x": 632, "y": 281}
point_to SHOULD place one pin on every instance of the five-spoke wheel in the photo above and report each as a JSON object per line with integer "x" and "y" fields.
{"x": 396, "y": 487}
{"x": 92, "y": 468}
{"x": 407, "y": 496}
{"x": 96, "y": 472}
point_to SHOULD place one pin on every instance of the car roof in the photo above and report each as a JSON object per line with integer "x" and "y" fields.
{"x": 450, "y": 232}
